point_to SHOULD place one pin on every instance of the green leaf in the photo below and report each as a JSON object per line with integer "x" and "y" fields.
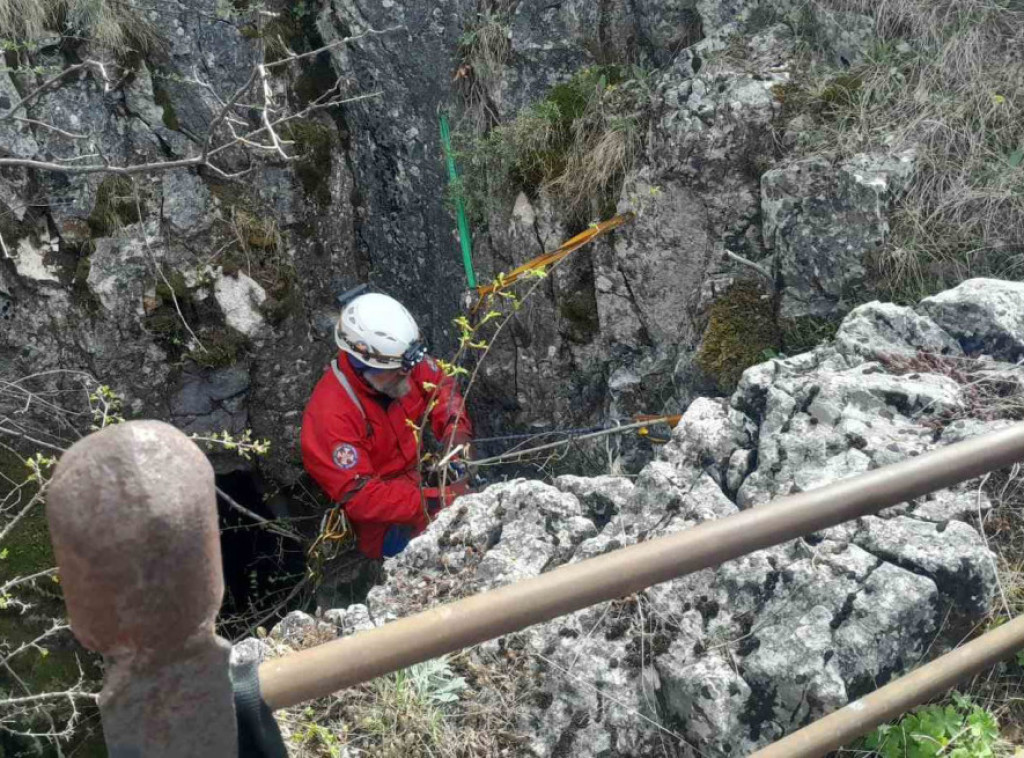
{"x": 1016, "y": 158}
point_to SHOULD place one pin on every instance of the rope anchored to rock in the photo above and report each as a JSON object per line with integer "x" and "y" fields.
{"x": 548, "y": 259}
{"x": 642, "y": 425}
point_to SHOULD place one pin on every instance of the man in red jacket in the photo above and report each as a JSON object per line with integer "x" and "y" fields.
{"x": 358, "y": 435}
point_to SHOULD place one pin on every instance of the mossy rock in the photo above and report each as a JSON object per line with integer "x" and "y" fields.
{"x": 224, "y": 346}
{"x": 27, "y": 548}
{"x": 579, "y": 309}
{"x": 163, "y": 98}
{"x": 256, "y": 231}
{"x": 115, "y": 206}
{"x": 314, "y": 143}
{"x": 172, "y": 286}
{"x": 741, "y": 332}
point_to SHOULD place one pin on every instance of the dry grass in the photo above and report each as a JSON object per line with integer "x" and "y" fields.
{"x": 945, "y": 78}
{"x": 117, "y": 26}
{"x": 576, "y": 145}
{"x": 1001, "y": 689}
{"x": 483, "y": 51}
{"x": 989, "y": 391}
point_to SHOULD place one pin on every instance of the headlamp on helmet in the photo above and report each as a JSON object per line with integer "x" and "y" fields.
{"x": 378, "y": 331}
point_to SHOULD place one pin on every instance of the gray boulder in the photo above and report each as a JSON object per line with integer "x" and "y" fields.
{"x": 986, "y": 316}
{"x": 823, "y": 220}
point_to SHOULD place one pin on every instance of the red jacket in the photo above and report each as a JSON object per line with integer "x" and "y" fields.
{"x": 371, "y": 459}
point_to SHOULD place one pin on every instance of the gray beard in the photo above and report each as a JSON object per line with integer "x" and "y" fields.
{"x": 393, "y": 388}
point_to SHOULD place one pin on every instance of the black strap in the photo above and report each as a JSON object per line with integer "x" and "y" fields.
{"x": 258, "y": 733}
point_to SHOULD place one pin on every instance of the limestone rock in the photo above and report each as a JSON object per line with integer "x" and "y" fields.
{"x": 733, "y": 657}
{"x": 240, "y": 298}
{"x": 984, "y": 315}
{"x": 823, "y": 220}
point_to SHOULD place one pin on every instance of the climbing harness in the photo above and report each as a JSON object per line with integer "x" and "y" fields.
{"x": 460, "y": 204}
{"x": 335, "y": 533}
{"x": 548, "y": 259}
{"x": 335, "y": 538}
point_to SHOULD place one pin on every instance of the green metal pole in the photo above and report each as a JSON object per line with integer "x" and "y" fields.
{"x": 460, "y": 203}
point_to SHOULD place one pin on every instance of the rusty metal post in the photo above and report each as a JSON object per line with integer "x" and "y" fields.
{"x": 332, "y": 666}
{"x": 861, "y": 716}
{"x": 133, "y": 519}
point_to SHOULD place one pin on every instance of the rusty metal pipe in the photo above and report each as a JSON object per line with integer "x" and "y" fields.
{"x": 851, "y": 721}
{"x": 321, "y": 670}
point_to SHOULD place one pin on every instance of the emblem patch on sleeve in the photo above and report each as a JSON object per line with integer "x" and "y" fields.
{"x": 345, "y": 456}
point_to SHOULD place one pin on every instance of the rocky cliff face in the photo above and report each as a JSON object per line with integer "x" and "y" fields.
{"x": 728, "y": 659}
{"x": 207, "y": 302}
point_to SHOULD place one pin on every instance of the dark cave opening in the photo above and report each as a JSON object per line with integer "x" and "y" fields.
{"x": 261, "y": 568}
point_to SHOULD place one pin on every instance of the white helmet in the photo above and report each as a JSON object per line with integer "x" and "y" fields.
{"x": 377, "y": 330}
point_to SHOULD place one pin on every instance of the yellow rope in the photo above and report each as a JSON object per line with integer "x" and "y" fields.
{"x": 554, "y": 256}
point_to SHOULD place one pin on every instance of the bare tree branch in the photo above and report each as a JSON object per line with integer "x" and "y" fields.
{"x": 757, "y": 267}
{"x": 41, "y": 89}
{"x": 50, "y": 127}
{"x": 46, "y": 696}
{"x": 19, "y": 580}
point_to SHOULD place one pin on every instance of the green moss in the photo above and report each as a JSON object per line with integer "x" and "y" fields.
{"x": 28, "y": 545}
{"x": 27, "y": 550}
{"x": 172, "y": 286}
{"x": 313, "y": 148}
{"x": 283, "y": 33}
{"x": 741, "y": 332}
{"x": 283, "y": 298}
{"x": 115, "y": 206}
{"x": 580, "y": 311}
{"x": 162, "y": 98}
{"x": 223, "y": 347}
{"x": 82, "y": 269}
{"x": 807, "y": 332}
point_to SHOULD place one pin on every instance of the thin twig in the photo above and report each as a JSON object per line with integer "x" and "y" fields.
{"x": 41, "y": 89}
{"x": 51, "y": 127}
{"x": 757, "y": 267}
{"x": 267, "y": 523}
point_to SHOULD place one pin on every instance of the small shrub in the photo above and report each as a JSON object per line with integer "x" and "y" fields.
{"x": 576, "y": 144}
{"x": 961, "y": 729}
{"x": 483, "y": 50}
